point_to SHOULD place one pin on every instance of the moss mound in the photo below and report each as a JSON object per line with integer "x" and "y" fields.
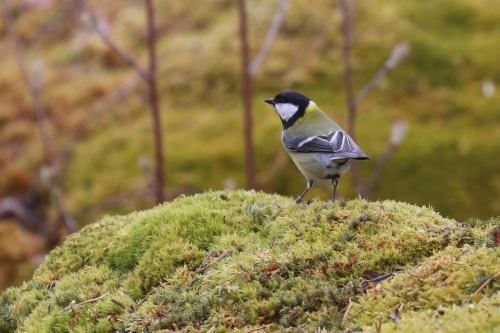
{"x": 241, "y": 260}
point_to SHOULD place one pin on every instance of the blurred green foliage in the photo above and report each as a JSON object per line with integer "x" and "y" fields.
{"x": 449, "y": 159}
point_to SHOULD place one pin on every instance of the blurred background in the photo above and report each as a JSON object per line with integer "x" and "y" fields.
{"x": 76, "y": 128}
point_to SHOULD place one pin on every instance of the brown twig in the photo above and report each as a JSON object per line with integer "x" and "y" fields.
{"x": 346, "y": 314}
{"x": 118, "y": 303}
{"x": 150, "y": 77}
{"x": 486, "y": 283}
{"x": 247, "y": 97}
{"x": 34, "y": 84}
{"x": 369, "y": 283}
{"x": 216, "y": 260}
{"x": 272, "y": 33}
{"x": 480, "y": 289}
{"x": 155, "y": 105}
{"x": 206, "y": 258}
{"x": 33, "y": 87}
{"x": 73, "y": 306}
{"x": 151, "y": 292}
{"x": 93, "y": 22}
{"x": 398, "y": 54}
{"x": 115, "y": 97}
{"x": 256, "y": 329}
{"x": 363, "y": 309}
{"x": 398, "y": 133}
{"x": 351, "y": 105}
{"x": 378, "y": 325}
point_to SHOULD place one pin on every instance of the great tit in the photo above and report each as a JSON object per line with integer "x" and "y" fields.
{"x": 318, "y": 146}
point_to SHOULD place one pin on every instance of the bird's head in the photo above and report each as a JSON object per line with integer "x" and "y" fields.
{"x": 290, "y": 106}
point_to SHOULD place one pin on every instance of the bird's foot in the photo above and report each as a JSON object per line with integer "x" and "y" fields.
{"x": 300, "y": 201}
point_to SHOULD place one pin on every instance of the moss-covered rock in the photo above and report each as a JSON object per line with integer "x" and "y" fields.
{"x": 242, "y": 260}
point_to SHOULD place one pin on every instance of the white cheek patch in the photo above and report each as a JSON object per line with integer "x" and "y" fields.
{"x": 286, "y": 110}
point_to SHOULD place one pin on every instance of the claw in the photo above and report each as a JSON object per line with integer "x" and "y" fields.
{"x": 300, "y": 201}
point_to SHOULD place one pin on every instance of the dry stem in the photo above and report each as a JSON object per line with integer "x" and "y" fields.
{"x": 71, "y": 306}
{"x": 346, "y": 314}
{"x": 272, "y": 33}
{"x": 219, "y": 258}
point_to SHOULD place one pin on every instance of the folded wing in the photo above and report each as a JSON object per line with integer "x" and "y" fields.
{"x": 337, "y": 143}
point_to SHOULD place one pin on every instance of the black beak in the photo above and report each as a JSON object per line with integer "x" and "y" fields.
{"x": 270, "y": 101}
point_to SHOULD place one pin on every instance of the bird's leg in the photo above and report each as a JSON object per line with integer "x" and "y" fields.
{"x": 310, "y": 184}
{"x": 335, "y": 183}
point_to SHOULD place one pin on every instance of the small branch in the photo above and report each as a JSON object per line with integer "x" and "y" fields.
{"x": 118, "y": 303}
{"x": 71, "y": 306}
{"x": 151, "y": 292}
{"x": 378, "y": 279}
{"x": 206, "y": 258}
{"x": 219, "y": 258}
{"x": 378, "y": 325}
{"x": 363, "y": 309}
{"x": 34, "y": 84}
{"x": 272, "y": 33}
{"x": 483, "y": 286}
{"x": 154, "y": 101}
{"x": 398, "y": 133}
{"x": 247, "y": 97}
{"x": 68, "y": 219}
{"x": 33, "y": 87}
{"x": 346, "y": 57}
{"x": 351, "y": 105}
{"x": 92, "y": 21}
{"x": 346, "y": 314}
{"x": 256, "y": 329}
{"x": 115, "y": 97}
{"x": 398, "y": 54}
{"x": 486, "y": 283}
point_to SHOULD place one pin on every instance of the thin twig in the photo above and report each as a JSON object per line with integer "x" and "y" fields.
{"x": 34, "y": 87}
{"x": 378, "y": 279}
{"x": 73, "y": 306}
{"x": 483, "y": 286}
{"x": 126, "y": 57}
{"x": 115, "y": 97}
{"x": 34, "y": 84}
{"x": 346, "y": 314}
{"x": 206, "y": 258}
{"x": 219, "y": 258}
{"x": 363, "y": 309}
{"x": 272, "y": 33}
{"x": 154, "y": 101}
{"x": 398, "y": 54}
{"x": 256, "y": 329}
{"x": 351, "y": 105}
{"x": 247, "y": 98}
{"x": 59, "y": 202}
{"x": 486, "y": 283}
{"x": 378, "y": 325}
{"x": 151, "y": 292}
{"x": 398, "y": 133}
{"x": 118, "y": 303}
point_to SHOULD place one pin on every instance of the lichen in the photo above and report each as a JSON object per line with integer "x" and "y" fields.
{"x": 237, "y": 260}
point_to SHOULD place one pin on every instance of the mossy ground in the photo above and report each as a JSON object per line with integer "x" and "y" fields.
{"x": 453, "y": 128}
{"x": 240, "y": 260}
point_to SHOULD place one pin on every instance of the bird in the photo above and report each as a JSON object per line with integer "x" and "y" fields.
{"x": 319, "y": 147}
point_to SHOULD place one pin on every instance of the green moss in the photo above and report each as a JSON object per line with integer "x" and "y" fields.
{"x": 248, "y": 259}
